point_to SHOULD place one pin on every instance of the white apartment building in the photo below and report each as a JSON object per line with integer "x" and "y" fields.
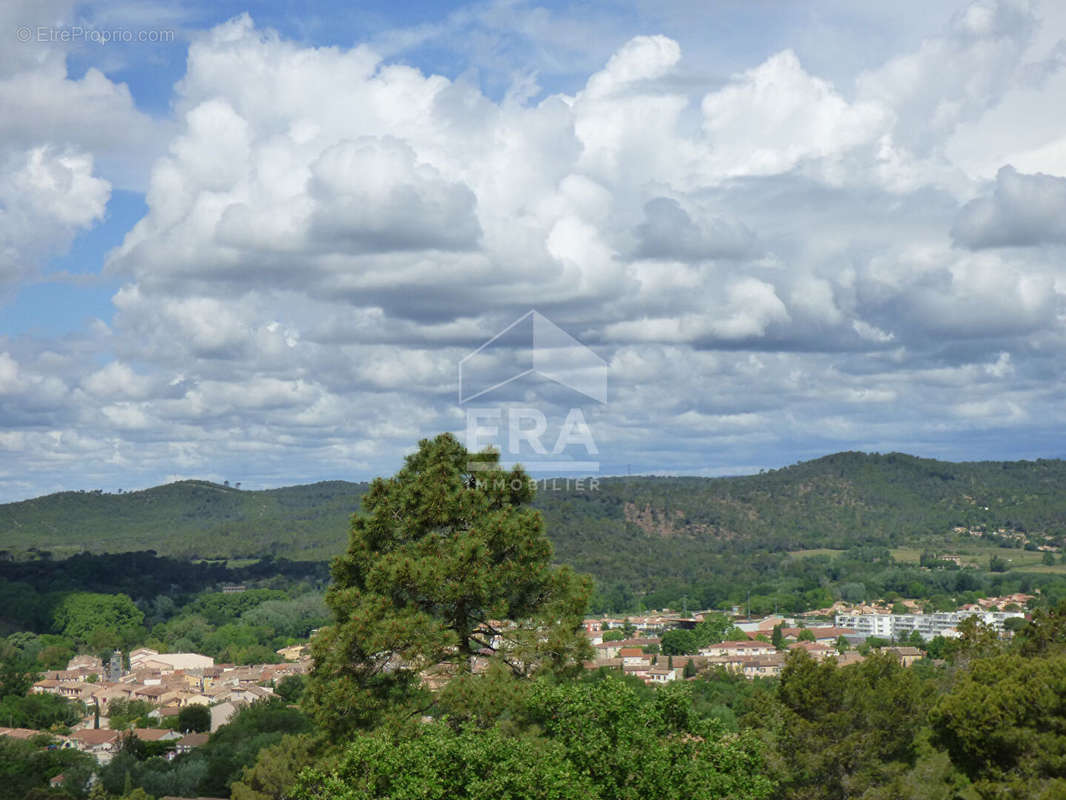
{"x": 894, "y": 626}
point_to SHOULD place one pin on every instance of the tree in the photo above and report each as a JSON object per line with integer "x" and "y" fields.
{"x": 1045, "y": 632}
{"x": 778, "y": 636}
{"x": 1049, "y": 559}
{"x": 842, "y": 730}
{"x": 17, "y": 672}
{"x": 441, "y": 764}
{"x": 1002, "y": 724}
{"x": 275, "y": 770}
{"x": 997, "y": 564}
{"x": 194, "y": 717}
{"x": 679, "y": 642}
{"x": 86, "y": 617}
{"x": 601, "y": 740}
{"x": 40, "y": 711}
{"x": 805, "y": 636}
{"x": 447, "y": 564}
{"x": 27, "y": 765}
{"x": 615, "y": 635}
{"x": 124, "y": 714}
{"x": 291, "y": 688}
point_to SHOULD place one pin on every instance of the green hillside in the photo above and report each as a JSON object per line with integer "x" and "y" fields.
{"x": 641, "y": 530}
{"x": 194, "y": 519}
{"x": 636, "y": 529}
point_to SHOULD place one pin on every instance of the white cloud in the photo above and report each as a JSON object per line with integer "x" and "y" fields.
{"x": 1021, "y": 210}
{"x": 45, "y": 198}
{"x": 764, "y": 259}
{"x": 773, "y": 117}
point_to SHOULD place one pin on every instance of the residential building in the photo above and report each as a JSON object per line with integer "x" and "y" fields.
{"x": 928, "y": 626}
{"x": 747, "y": 648}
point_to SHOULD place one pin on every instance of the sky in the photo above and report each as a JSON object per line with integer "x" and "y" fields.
{"x": 255, "y": 244}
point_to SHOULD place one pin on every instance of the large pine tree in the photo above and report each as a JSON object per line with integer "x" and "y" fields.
{"x": 448, "y": 575}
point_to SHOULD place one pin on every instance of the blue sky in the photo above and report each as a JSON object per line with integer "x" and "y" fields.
{"x": 257, "y": 251}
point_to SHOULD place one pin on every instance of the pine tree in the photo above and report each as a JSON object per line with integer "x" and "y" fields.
{"x": 447, "y": 575}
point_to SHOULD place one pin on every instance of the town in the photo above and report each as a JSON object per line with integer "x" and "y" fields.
{"x": 638, "y": 646}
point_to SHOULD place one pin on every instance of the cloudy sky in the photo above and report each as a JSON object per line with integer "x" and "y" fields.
{"x": 255, "y": 245}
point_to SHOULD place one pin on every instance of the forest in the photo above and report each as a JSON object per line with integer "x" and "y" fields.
{"x": 839, "y": 501}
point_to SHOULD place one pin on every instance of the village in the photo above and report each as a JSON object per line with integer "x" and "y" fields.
{"x": 168, "y": 682}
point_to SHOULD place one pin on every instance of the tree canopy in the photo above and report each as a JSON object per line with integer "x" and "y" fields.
{"x": 447, "y": 569}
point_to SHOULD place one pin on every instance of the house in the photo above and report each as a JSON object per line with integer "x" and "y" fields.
{"x": 190, "y": 741}
{"x": 661, "y": 675}
{"x": 147, "y": 658}
{"x": 606, "y": 650}
{"x": 634, "y": 656}
{"x": 816, "y": 650}
{"x": 100, "y": 743}
{"x": 764, "y": 625}
{"x": 747, "y": 648}
{"x": 105, "y": 693}
{"x": 141, "y": 654}
{"x": 637, "y": 670}
{"x": 156, "y": 734}
{"x": 850, "y": 657}
{"x": 764, "y": 666}
{"x": 20, "y": 733}
{"x": 905, "y": 655}
{"x": 151, "y": 694}
{"x": 246, "y": 694}
{"x": 221, "y": 714}
{"x": 91, "y": 664}
{"x": 164, "y": 713}
{"x": 826, "y": 635}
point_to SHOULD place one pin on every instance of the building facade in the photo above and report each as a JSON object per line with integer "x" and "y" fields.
{"x": 929, "y": 626}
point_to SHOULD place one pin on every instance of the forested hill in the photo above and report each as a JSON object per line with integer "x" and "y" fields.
{"x": 838, "y": 501}
{"x": 188, "y": 518}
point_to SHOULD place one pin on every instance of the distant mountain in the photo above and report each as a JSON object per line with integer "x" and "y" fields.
{"x": 634, "y": 528}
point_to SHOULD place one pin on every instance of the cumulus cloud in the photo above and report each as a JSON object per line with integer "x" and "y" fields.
{"x": 770, "y": 261}
{"x": 774, "y": 116}
{"x": 372, "y": 196}
{"x": 46, "y": 197}
{"x": 954, "y": 77}
{"x": 1022, "y": 210}
{"x": 668, "y": 232}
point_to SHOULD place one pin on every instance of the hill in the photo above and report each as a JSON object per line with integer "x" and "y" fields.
{"x": 637, "y": 529}
{"x": 192, "y": 519}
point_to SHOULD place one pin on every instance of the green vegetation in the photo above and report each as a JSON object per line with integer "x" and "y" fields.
{"x": 836, "y": 502}
{"x": 592, "y": 740}
{"x": 440, "y": 557}
{"x": 420, "y": 688}
{"x": 190, "y": 519}
{"x": 27, "y": 766}
{"x": 211, "y": 769}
